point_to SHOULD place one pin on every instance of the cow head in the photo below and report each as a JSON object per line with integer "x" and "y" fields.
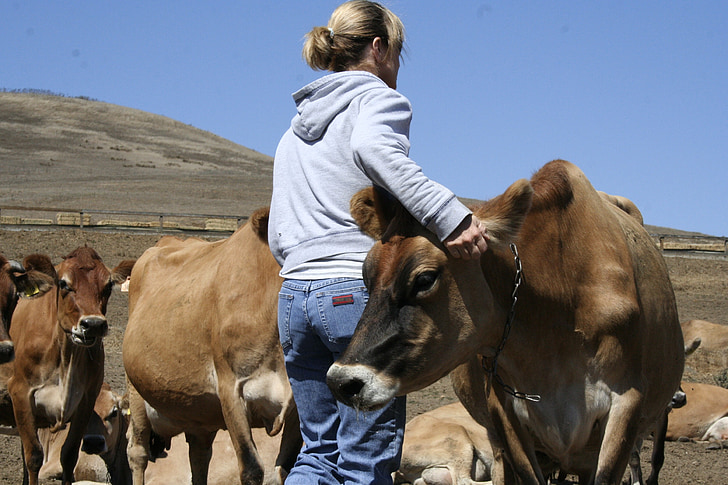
{"x": 427, "y": 312}
{"x": 84, "y": 287}
{"x": 31, "y": 279}
{"x": 107, "y": 425}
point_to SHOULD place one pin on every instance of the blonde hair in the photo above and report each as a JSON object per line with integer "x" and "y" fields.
{"x": 352, "y": 26}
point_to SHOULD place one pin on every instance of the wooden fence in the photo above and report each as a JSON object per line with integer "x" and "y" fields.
{"x": 88, "y": 218}
{"x": 169, "y": 222}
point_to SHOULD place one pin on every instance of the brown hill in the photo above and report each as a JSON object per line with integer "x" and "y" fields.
{"x": 74, "y": 154}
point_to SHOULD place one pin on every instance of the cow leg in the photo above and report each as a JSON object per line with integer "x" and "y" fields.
{"x": 635, "y": 466}
{"x": 619, "y": 438}
{"x": 26, "y": 478}
{"x": 27, "y": 430}
{"x": 33, "y": 456}
{"x": 139, "y": 435}
{"x": 72, "y": 445}
{"x": 291, "y": 442}
{"x": 200, "y": 452}
{"x": 658, "y": 449}
{"x": 236, "y": 415}
{"x": 511, "y": 459}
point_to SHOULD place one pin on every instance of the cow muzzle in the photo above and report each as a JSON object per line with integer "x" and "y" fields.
{"x": 360, "y": 387}
{"x": 89, "y": 330}
{"x": 94, "y": 444}
{"x": 7, "y": 351}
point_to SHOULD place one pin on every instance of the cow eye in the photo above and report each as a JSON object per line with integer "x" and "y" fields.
{"x": 114, "y": 412}
{"x": 424, "y": 282}
{"x": 107, "y": 289}
{"x": 63, "y": 285}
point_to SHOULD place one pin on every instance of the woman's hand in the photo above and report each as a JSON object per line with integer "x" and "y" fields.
{"x": 469, "y": 240}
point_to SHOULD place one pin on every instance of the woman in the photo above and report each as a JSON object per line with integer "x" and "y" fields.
{"x": 350, "y": 132}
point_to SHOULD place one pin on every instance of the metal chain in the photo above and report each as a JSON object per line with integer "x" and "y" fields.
{"x": 493, "y": 371}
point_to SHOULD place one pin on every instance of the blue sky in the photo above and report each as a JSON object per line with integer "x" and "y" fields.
{"x": 635, "y": 93}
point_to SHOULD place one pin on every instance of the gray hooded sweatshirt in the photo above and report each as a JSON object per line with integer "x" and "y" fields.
{"x": 351, "y": 131}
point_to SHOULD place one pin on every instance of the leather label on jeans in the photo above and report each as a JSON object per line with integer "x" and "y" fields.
{"x": 342, "y": 300}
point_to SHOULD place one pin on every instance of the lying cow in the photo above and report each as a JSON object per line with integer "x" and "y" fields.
{"x": 59, "y": 356}
{"x": 31, "y": 280}
{"x": 445, "y": 446}
{"x": 703, "y": 418}
{"x": 586, "y": 365}
{"x": 707, "y": 335}
{"x": 103, "y": 452}
{"x": 201, "y": 350}
{"x": 174, "y": 468}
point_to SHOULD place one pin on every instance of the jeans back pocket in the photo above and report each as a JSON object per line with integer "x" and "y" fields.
{"x": 340, "y": 311}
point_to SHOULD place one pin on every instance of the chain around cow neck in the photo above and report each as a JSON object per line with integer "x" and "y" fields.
{"x": 493, "y": 371}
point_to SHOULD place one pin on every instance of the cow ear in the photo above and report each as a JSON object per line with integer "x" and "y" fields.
{"x": 39, "y": 277}
{"x": 122, "y": 271}
{"x": 373, "y": 210}
{"x": 503, "y": 215}
{"x": 259, "y": 223}
{"x": 41, "y": 263}
{"x": 624, "y": 204}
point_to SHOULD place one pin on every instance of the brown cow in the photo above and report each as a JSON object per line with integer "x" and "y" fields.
{"x": 201, "y": 350}
{"x": 103, "y": 453}
{"x": 31, "y": 280}
{"x": 585, "y": 367}
{"x": 706, "y": 335}
{"x": 445, "y": 446}
{"x": 696, "y": 421}
{"x": 174, "y": 468}
{"x": 59, "y": 356}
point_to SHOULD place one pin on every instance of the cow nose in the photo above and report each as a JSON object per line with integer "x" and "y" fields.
{"x": 349, "y": 389}
{"x": 343, "y": 386}
{"x": 94, "y": 325}
{"x": 93, "y": 444}
{"x": 360, "y": 386}
{"x": 7, "y": 351}
{"x": 679, "y": 399}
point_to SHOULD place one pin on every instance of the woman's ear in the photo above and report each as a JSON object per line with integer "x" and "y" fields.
{"x": 379, "y": 49}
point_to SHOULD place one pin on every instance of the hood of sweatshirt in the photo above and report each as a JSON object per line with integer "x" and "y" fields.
{"x": 320, "y": 101}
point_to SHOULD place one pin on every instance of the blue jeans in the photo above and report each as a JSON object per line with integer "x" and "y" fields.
{"x": 316, "y": 320}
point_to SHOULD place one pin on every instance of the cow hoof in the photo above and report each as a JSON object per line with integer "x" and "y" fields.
{"x": 714, "y": 445}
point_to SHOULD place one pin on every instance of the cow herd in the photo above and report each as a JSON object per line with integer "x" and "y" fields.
{"x": 563, "y": 346}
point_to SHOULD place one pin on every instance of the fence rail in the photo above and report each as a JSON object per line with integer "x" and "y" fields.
{"x": 97, "y": 218}
{"x": 166, "y": 221}
{"x": 709, "y": 244}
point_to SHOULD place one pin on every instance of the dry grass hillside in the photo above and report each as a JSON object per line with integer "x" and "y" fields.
{"x": 108, "y": 157}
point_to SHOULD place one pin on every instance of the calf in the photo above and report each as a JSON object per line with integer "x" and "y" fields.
{"x": 59, "y": 356}
{"x": 103, "y": 452}
{"x": 706, "y": 335}
{"x": 706, "y": 405}
{"x": 174, "y": 468}
{"x": 445, "y": 446}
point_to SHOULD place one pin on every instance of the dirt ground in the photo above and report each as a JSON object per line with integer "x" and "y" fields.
{"x": 700, "y": 285}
